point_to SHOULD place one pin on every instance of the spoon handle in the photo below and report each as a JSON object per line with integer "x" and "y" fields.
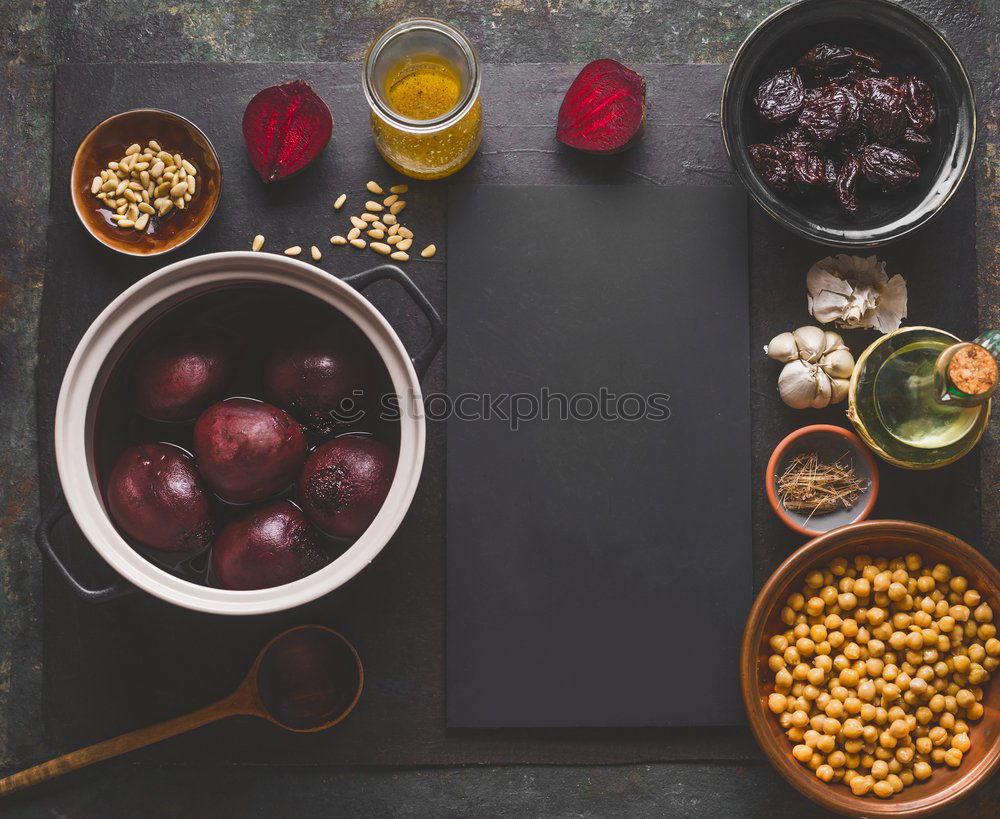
{"x": 119, "y": 745}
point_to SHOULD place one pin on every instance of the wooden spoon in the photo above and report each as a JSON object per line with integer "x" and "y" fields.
{"x": 306, "y": 679}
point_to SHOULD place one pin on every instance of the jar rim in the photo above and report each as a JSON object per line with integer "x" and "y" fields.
{"x": 420, "y": 126}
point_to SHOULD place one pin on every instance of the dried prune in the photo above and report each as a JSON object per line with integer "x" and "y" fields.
{"x": 794, "y": 137}
{"x": 845, "y": 187}
{"x": 774, "y": 164}
{"x": 916, "y": 143}
{"x": 823, "y": 117}
{"x": 808, "y": 168}
{"x": 779, "y": 98}
{"x": 883, "y": 108}
{"x": 827, "y": 59}
{"x": 920, "y": 106}
{"x": 887, "y": 167}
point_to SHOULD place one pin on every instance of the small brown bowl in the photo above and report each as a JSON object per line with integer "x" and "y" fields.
{"x": 107, "y": 143}
{"x": 876, "y": 537}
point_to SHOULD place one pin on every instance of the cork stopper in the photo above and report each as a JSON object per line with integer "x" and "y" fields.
{"x": 973, "y": 370}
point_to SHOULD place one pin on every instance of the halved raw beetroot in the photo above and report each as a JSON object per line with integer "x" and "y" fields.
{"x": 248, "y": 450}
{"x": 157, "y": 497}
{"x": 285, "y": 127}
{"x": 604, "y": 110}
{"x": 268, "y": 546}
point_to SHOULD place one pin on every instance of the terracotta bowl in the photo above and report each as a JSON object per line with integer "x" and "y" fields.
{"x": 877, "y": 537}
{"x": 107, "y": 142}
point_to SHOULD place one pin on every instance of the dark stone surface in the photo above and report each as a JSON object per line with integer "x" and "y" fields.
{"x": 36, "y": 35}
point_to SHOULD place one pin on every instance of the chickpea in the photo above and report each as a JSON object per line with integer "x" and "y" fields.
{"x": 983, "y": 613}
{"x": 971, "y": 598}
{"x": 777, "y": 703}
{"x": 836, "y": 759}
{"x": 925, "y": 584}
{"x": 815, "y": 676}
{"x": 975, "y": 711}
{"x": 937, "y": 756}
{"x": 959, "y": 613}
{"x": 803, "y": 753}
{"x": 953, "y": 757}
{"x": 866, "y": 690}
{"x": 923, "y": 745}
{"x": 961, "y": 742}
{"x": 880, "y": 769}
{"x": 941, "y": 573}
{"x": 826, "y": 743}
{"x": 861, "y": 785}
{"x": 904, "y": 755}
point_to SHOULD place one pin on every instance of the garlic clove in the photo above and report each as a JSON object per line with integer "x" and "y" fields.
{"x": 838, "y": 364}
{"x": 782, "y": 348}
{"x": 811, "y": 343}
{"x": 840, "y": 387}
{"x": 832, "y": 341}
{"x": 824, "y": 391}
{"x": 797, "y": 384}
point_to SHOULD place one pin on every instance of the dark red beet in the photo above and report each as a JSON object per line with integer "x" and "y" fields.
{"x": 285, "y": 127}
{"x": 345, "y": 483}
{"x": 248, "y": 450}
{"x": 604, "y": 110}
{"x": 321, "y": 373}
{"x": 180, "y": 376}
{"x": 157, "y": 497}
{"x": 268, "y": 546}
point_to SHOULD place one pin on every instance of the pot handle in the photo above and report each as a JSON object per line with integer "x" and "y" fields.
{"x": 43, "y": 534}
{"x": 422, "y": 360}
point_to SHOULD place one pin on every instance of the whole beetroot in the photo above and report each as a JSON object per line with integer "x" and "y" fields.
{"x": 268, "y": 546}
{"x": 178, "y": 377}
{"x": 321, "y": 373}
{"x": 344, "y": 484}
{"x": 157, "y": 497}
{"x": 248, "y": 450}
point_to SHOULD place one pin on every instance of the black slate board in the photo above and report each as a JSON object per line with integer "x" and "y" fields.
{"x": 115, "y": 667}
{"x": 580, "y": 541}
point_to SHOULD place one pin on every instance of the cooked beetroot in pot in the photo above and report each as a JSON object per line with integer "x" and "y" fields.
{"x": 321, "y": 373}
{"x": 248, "y": 450}
{"x": 157, "y": 497}
{"x": 345, "y": 482}
{"x": 269, "y": 545}
{"x": 181, "y": 375}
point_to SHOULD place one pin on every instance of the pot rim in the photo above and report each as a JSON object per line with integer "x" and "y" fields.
{"x": 80, "y": 391}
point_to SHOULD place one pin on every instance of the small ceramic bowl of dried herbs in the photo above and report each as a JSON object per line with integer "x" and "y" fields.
{"x": 821, "y": 477}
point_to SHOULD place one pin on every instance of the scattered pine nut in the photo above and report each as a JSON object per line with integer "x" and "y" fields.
{"x": 340, "y": 201}
{"x": 404, "y": 244}
{"x": 428, "y": 251}
{"x": 359, "y": 243}
{"x": 393, "y": 230}
{"x": 142, "y": 221}
{"x": 375, "y": 188}
{"x": 154, "y": 145}
{"x": 258, "y": 242}
{"x": 134, "y": 148}
{"x": 396, "y": 207}
{"x": 405, "y": 232}
{"x": 376, "y": 234}
{"x": 353, "y": 234}
{"x": 393, "y": 240}
{"x": 381, "y": 247}
{"x": 190, "y": 168}
{"x": 389, "y": 218}
{"x": 315, "y": 253}
{"x": 294, "y": 250}
{"x": 390, "y": 199}
{"x": 400, "y": 256}
{"x": 377, "y": 225}
{"x": 399, "y": 189}
{"x": 358, "y": 223}
{"x": 338, "y": 240}
{"x": 125, "y": 223}
{"x": 95, "y": 186}
{"x": 369, "y": 217}
{"x": 374, "y": 206}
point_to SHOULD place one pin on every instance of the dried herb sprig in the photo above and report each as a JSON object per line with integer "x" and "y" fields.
{"x": 817, "y": 487}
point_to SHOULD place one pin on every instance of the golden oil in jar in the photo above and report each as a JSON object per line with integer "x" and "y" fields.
{"x": 422, "y": 84}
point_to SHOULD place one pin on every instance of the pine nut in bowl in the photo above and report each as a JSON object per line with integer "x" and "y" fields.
{"x": 145, "y": 181}
{"x": 885, "y": 729}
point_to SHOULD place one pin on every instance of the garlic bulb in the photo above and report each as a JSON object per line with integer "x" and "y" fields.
{"x": 856, "y": 292}
{"x": 817, "y": 370}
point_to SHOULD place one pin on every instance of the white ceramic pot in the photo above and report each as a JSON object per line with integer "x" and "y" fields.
{"x": 121, "y": 322}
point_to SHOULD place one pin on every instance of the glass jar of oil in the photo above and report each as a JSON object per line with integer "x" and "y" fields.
{"x": 920, "y": 397}
{"x": 421, "y": 81}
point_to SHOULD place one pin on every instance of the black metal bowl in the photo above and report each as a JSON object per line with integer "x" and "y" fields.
{"x": 906, "y": 44}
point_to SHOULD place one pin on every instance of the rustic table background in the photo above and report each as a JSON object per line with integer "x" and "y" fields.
{"x": 34, "y": 36}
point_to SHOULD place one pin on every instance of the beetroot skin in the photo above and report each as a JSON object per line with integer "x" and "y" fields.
{"x": 285, "y": 127}
{"x": 604, "y": 110}
{"x": 180, "y": 376}
{"x": 344, "y": 484}
{"x": 321, "y": 373}
{"x": 248, "y": 450}
{"x": 269, "y": 546}
{"x": 157, "y": 497}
